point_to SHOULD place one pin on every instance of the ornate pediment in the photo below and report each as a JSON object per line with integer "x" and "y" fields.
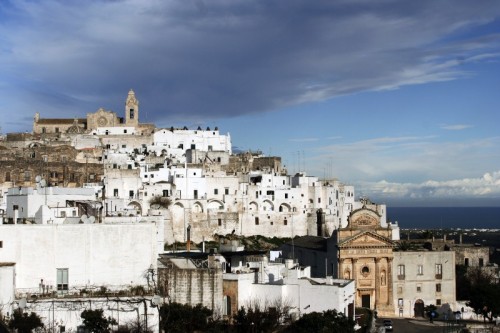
{"x": 364, "y": 218}
{"x": 366, "y": 239}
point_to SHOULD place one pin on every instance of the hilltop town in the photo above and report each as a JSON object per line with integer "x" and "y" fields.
{"x": 105, "y": 211}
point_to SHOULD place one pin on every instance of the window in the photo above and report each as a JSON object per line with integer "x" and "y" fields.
{"x": 193, "y": 146}
{"x": 285, "y": 222}
{"x": 124, "y": 131}
{"x": 256, "y": 221}
{"x": 62, "y": 279}
{"x": 216, "y": 191}
{"x": 63, "y": 214}
{"x": 124, "y": 146}
{"x": 165, "y": 193}
{"x": 420, "y": 270}
{"x": 438, "y": 287}
{"x": 481, "y": 262}
{"x": 319, "y": 200}
{"x": 27, "y": 176}
{"x": 226, "y": 191}
{"x": 438, "y": 301}
{"x": 419, "y": 288}
{"x": 57, "y": 129}
{"x": 286, "y": 195}
{"x": 466, "y": 263}
{"x": 401, "y": 272}
{"x": 115, "y": 192}
{"x": 7, "y": 176}
{"x": 131, "y": 194}
{"x": 131, "y": 113}
{"x": 1, "y": 244}
{"x": 439, "y": 271}
{"x": 219, "y": 222}
{"x": 195, "y": 194}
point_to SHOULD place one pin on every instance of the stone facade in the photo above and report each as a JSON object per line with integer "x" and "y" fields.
{"x": 191, "y": 281}
{"x": 365, "y": 255}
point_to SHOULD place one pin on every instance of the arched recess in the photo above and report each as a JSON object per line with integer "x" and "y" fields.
{"x": 197, "y": 207}
{"x": 215, "y": 205}
{"x": 267, "y": 205}
{"x": 419, "y": 308}
{"x": 135, "y": 205}
{"x": 347, "y": 274}
{"x": 285, "y": 208}
{"x": 253, "y": 206}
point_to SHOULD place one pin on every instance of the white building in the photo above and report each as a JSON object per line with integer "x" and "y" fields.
{"x": 422, "y": 278}
{"x": 285, "y": 285}
{"x": 45, "y": 204}
{"x": 50, "y": 260}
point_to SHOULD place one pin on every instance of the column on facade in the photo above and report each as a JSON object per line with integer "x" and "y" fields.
{"x": 340, "y": 273}
{"x": 354, "y": 261}
{"x": 389, "y": 281}
{"x": 377, "y": 281}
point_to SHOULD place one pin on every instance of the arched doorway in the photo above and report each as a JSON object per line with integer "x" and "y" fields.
{"x": 419, "y": 308}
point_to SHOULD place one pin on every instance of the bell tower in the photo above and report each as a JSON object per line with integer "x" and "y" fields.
{"x": 131, "y": 109}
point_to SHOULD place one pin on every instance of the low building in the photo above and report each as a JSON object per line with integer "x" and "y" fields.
{"x": 191, "y": 278}
{"x": 422, "y": 278}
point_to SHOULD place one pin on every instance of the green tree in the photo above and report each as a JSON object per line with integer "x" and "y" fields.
{"x": 484, "y": 296}
{"x": 95, "y": 322}
{"x": 328, "y": 321}
{"x": 23, "y": 322}
{"x": 179, "y": 318}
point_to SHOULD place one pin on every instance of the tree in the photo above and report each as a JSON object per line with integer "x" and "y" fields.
{"x": 178, "y": 318}
{"x": 328, "y": 321}
{"x": 23, "y": 322}
{"x": 484, "y": 295}
{"x": 95, "y": 322}
{"x": 158, "y": 202}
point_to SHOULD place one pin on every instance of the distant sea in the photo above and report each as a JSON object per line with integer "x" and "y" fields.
{"x": 445, "y": 217}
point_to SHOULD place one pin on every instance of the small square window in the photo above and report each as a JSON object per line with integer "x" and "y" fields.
{"x": 1, "y": 244}
{"x": 419, "y": 289}
{"x": 438, "y": 302}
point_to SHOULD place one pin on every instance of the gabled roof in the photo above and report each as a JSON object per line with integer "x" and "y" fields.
{"x": 366, "y": 239}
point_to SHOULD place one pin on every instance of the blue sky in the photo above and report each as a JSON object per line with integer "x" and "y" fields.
{"x": 399, "y": 98}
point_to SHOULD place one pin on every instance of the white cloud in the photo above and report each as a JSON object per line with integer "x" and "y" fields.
{"x": 228, "y": 58}
{"x": 487, "y": 185}
{"x": 303, "y": 139}
{"x": 411, "y": 158}
{"x": 457, "y": 127}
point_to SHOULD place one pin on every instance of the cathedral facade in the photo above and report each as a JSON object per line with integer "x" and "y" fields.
{"x": 365, "y": 255}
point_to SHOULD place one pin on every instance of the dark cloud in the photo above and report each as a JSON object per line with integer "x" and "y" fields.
{"x": 210, "y": 59}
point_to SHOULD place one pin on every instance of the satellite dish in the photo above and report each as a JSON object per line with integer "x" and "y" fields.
{"x": 91, "y": 219}
{"x": 87, "y": 219}
{"x": 43, "y": 183}
{"x": 38, "y": 178}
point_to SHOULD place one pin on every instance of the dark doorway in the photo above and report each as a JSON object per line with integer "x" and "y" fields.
{"x": 419, "y": 308}
{"x": 365, "y": 301}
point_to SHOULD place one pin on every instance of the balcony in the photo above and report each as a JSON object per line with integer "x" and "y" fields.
{"x": 401, "y": 277}
{"x": 439, "y": 276}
